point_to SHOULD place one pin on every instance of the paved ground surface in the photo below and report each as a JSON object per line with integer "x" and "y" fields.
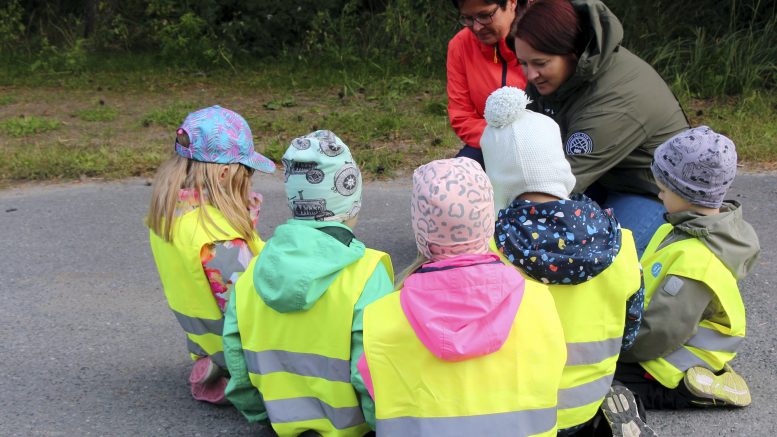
{"x": 90, "y": 348}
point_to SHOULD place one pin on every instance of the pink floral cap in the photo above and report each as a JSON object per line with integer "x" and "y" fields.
{"x": 452, "y": 208}
{"x": 221, "y": 136}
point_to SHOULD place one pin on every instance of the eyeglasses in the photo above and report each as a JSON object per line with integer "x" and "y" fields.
{"x": 469, "y": 21}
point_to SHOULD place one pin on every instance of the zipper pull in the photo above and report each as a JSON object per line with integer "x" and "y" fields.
{"x": 496, "y": 58}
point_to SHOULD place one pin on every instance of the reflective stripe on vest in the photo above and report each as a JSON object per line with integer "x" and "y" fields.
{"x": 593, "y": 314}
{"x": 197, "y": 326}
{"x": 713, "y": 344}
{"x": 304, "y": 409}
{"x": 710, "y": 339}
{"x": 185, "y": 285}
{"x": 683, "y": 359}
{"x": 331, "y": 369}
{"x": 592, "y": 352}
{"x": 300, "y": 361}
{"x": 196, "y": 350}
{"x": 516, "y": 424}
{"x": 584, "y": 394}
{"x": 494, "y": 394}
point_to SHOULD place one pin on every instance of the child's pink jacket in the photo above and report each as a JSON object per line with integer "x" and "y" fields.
{"x": 460, "y": 308}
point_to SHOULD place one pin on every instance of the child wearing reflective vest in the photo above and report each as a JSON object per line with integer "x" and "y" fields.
{"x": 578, "y": 249}
{"x": 467, "y": 346}
{"x": 293, "y": 329}
{"x": 694, "y": 315}
{"x": 201, "y": 228}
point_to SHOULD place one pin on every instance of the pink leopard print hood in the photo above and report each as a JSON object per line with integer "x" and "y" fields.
{"x": 452, "y": 209}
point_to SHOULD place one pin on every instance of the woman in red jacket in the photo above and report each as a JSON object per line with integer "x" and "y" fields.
{"x": 479, "y": 62}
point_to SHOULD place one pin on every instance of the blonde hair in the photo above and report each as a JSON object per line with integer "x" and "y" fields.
{"x": 419, "y": 260}
{"x": 229, "y": 196}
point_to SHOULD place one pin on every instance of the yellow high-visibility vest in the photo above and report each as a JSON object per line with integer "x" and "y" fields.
{"x": 300, "y": 361}
{"x": 714, "y": 344}
{"x": 509, "y": 392}
{"x": 593, "y": 314}
{"x": 186, "y": 287}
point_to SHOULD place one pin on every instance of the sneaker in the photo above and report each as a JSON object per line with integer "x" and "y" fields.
{"x": 726, "y": 389}
{"x": 620, "y": 410}
{"x": 204, "y": 371}
{"x": 212, "y": 392}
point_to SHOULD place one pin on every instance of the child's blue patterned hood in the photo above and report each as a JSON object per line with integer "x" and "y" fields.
{"x": 561, "y": 242}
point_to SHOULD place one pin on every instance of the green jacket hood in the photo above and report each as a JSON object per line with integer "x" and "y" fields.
{"x": 727, "y": 235}
{"x": 300, "y": 262}
{"x": 605, "y": 34}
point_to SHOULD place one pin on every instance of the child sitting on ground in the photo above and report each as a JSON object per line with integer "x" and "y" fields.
{"x": 694, "y": 320}
{"x": 467, "y": 347}
{"x": 202, "y": 219}
{"x": 576, "y": 247}
{"x": 293, "y": 329}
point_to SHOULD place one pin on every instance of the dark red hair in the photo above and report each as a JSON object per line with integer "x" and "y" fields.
{"x": 550, "y": 26}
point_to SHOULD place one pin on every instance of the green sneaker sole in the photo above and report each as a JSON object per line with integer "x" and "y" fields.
{"x": 727, "y": 389}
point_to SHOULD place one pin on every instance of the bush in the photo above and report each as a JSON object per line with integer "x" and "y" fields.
{"x": 405, "y": 32}
{"x": 705, "y": 48}
{"x": 69, "y": 58}
{"x": 11, "y": 26}
{"x": 701, "y": 47}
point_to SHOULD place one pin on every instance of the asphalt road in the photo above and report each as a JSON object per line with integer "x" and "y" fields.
{"x": 90, "y": 347}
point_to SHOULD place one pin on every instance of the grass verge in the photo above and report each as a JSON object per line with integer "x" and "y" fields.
{"x": 111, "y": 126}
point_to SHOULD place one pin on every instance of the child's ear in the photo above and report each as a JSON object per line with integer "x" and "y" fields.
{"x": 223, "y": 173}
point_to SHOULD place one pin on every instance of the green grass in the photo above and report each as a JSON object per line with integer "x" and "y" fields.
{"x": 168, "y": 116}
{"x": 392, "y": 120}
{"x": 59, "y": 161}
{"x": 27, "y": 125}
{"x": 748, "y": 120}
{"x": 99, "y": 113}
{"x": 7, "y": 100}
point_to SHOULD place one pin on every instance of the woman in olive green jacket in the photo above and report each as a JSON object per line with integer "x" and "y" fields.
{"x": 612, "y": 107}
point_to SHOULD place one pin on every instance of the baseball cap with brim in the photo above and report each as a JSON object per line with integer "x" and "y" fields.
{"x": 221, "y": 136}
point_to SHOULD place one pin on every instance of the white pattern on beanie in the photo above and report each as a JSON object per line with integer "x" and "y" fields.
{"x": 698, "y": 165}
{"x": 322, "y": 180}
{"x": 522, "y": 150}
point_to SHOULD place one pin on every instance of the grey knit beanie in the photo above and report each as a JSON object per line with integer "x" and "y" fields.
{"x": 698, "y": 165}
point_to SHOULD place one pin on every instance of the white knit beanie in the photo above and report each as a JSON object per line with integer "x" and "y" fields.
{"x": 522, "y": 150}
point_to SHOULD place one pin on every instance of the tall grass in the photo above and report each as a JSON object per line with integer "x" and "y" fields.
{"x": 705, "y": 48}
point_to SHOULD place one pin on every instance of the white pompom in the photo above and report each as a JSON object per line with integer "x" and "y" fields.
{"x": 505, "y": 105}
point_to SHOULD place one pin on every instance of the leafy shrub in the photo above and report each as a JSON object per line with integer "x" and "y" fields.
{"x": 69, "y": 58}
{"x": 709, "y": 48}
{"x": 404, "y": 32}
{"x": 188, "y": 41}
{"x": 11, "y": 25}
{"x": 701, "y": 47}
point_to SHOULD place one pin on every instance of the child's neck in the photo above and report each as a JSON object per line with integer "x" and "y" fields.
{"x": 704, "y": 210}
{"x": 538, "y": 197}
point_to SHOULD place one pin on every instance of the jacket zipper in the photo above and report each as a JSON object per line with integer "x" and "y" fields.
{"x": 498, "y": 55}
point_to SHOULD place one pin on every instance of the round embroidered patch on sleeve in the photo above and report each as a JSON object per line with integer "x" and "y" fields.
{"x": 579, "y": 143}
